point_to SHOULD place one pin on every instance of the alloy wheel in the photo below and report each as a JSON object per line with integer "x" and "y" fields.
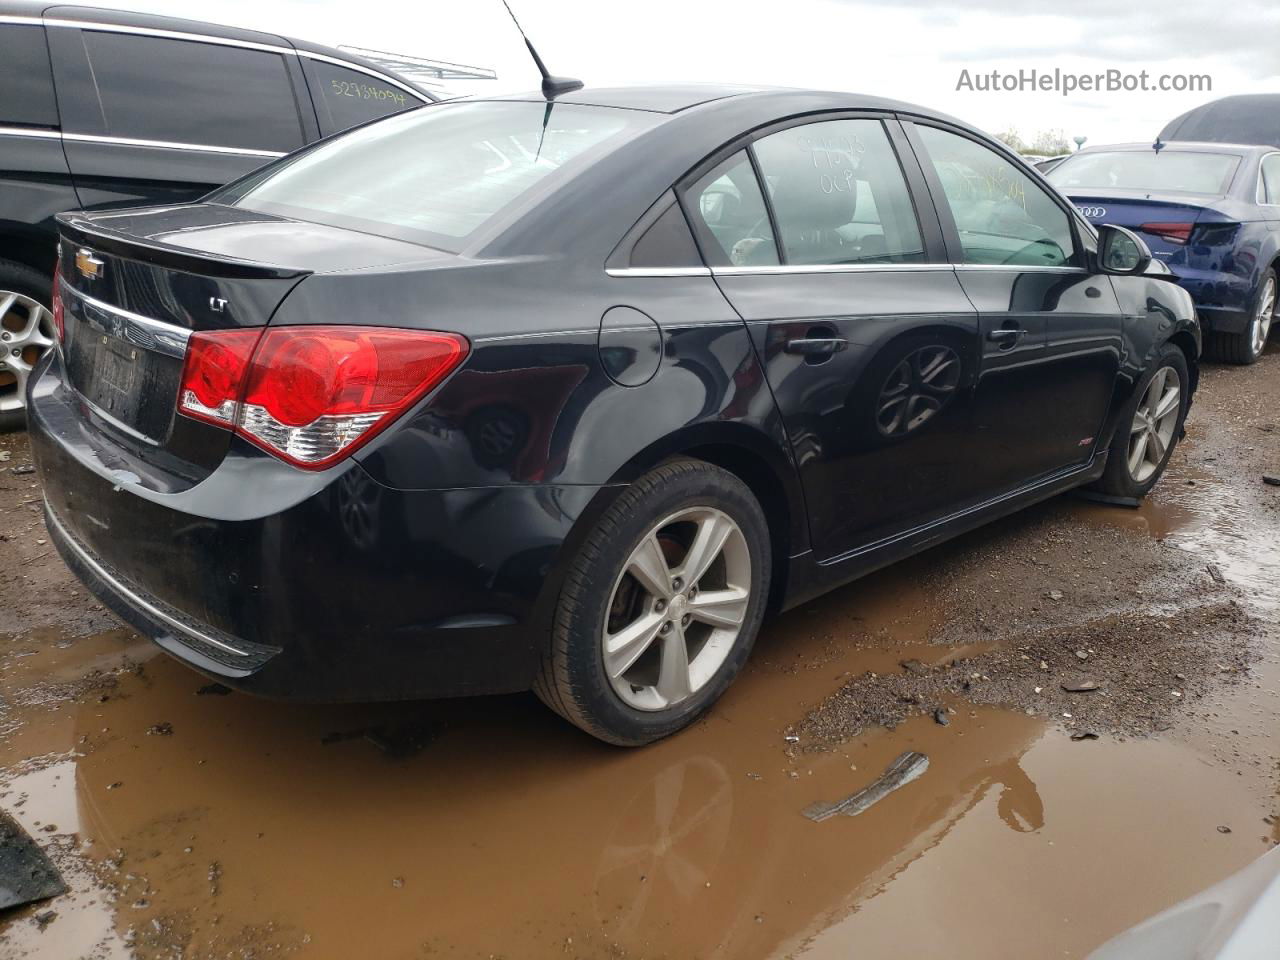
{"x": 1153, "y": 424}
{"x": 26, "y": 332}
{"x": 677, "y": 608}
{"x": 1260, "y": 329}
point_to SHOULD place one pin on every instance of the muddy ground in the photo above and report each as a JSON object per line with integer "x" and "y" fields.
{"x": 190, "y": 822}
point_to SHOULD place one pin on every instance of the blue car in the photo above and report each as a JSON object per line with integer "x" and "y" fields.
{"x": 1209, "y": 211}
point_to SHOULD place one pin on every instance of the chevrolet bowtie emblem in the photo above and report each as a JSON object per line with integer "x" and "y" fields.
{"x": 88, "y": 265}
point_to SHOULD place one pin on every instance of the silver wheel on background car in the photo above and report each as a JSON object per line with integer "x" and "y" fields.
{"x": 1260, "y": 328}
{"x": 677, "y": 608}
{"x": 1154, "y": 422}
{"x": 26, "y": 332}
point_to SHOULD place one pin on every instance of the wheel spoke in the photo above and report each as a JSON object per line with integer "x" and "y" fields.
{"x": 720, "y": 608}
{"x": 1168, "y": 403}
{"x": 1155, "y": 448}
{"x": 1137, "y": 452}
{"x": 713, "y": 530}
{"x": 649, "y": 567}
{"x": 1139, "y": 425}
{"x": 625, "y": 647}
{"x": 674, "y": 683}
{"x": 8, "y": 301}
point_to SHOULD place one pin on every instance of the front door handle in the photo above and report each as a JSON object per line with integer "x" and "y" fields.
{"x": 816, "y": 346}
{"x": 1006, "y": 336}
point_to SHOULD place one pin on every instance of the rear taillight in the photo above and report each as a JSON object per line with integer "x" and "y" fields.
{"x": 312, "y": 395}
{"x": 1173, "y": 232}
{"x": 59, "y": 321}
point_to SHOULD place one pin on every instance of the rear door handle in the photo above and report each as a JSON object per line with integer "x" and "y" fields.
{"x": 816, "y": 346}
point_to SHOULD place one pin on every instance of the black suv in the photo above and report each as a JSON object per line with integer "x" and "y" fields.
{"x": 101, "y": 108}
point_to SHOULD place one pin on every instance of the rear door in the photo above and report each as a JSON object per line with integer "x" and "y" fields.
{"x": 866, "y": 336}
{"x": 1051, "y": 331}
{"x": 158, "y": 117}
{"x": 35, "y": 183}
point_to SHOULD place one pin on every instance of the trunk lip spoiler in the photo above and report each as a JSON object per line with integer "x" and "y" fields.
{"x": 78, "y": 230}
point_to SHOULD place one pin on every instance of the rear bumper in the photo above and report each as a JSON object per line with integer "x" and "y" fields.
{"x": 1222, "y": 299}
{"x": 342, "y": 589}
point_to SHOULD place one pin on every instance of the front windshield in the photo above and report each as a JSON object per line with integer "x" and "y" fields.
{"x": 436, "y": 174}
{"x": 1169, "y": 171}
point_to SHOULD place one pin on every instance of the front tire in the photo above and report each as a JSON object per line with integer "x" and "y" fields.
{"x": 661, "y": 606}
{"x": 1149, "y": 427}
{"x": 1246, "y": 347}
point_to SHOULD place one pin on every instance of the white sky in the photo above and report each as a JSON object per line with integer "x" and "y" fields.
{"x": 910, "y": 50}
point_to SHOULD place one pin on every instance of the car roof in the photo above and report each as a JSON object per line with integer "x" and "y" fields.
{"x": 1180, "y": 146}
{"x": 676, "y": 98}
{"x": 147, "y": 21}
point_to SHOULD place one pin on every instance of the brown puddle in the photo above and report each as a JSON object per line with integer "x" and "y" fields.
{"x": 482, "y": 828}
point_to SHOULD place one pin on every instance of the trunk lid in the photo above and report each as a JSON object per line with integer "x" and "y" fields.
{"x": 1136, "y": 209}
{"x": 136, "y": 284}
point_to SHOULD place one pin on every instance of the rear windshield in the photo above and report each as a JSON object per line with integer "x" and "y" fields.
{"x": 436, "y": 174}
{"x": 1169, "y": 171}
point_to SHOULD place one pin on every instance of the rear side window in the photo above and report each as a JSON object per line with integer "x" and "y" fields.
{"x": 1003, "y": 216}
{"x": 182, "y": 91}
{"x": 1269, "y": 188}
{"x": 344, "y": 98}
{"x": 26, "y": 83}
{"x": 730, "y": 216}
{"x": 435, "y": 175}
{"x": 839, "y": 195}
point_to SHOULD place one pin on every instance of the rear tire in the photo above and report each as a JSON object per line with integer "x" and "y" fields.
{"x": 1148, "y": 429}
{"x": 628, "y": 622}
{"x": 1246, "y": 347}
{"x": 26, "y": 326}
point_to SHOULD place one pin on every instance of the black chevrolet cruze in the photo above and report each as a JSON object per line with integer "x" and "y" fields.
{"x": 566, "y": 395}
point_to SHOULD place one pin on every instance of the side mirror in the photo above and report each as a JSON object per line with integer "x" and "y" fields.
{"x": 1121, "y": 251}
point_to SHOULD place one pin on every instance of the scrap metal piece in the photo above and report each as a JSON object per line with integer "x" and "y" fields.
{"x": 26, "y": 874}
{"x": 902, "y": 771}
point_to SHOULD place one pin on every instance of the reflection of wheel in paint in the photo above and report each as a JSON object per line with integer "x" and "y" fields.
{"x": 358, "y": 506}
{"x": 497, "y": 435}
{"x": 665, "y": 846}
{"x": 917, "y": 390}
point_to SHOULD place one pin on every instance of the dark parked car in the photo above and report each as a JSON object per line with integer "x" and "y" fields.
{"x": 1209, "y": 211}
{"x": 102, "y": 109}
{"x": 502, "y": 394}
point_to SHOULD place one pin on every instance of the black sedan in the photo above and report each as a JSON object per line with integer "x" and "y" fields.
{"x": 566, "y": 395}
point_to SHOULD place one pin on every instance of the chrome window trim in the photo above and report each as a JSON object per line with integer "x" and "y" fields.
{"x": 229, "y": 42}
{"x": 13, "y": 18}
{"x": 42, "y": 133}
{"x": 165, "y": 338}
{"x": 1020, "y": 268}
{"x": 134, "y": 598}
{"x": 171, "y": 145}
{"x": 46, "y": 134}
{"x": 811, "y": 268}
{"x": 771, "y": 270}
{"x": 658, "y": 271}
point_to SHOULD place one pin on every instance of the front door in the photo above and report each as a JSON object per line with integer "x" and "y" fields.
{"x": 1051, "y": 331}
{"x": 867, "y": 339}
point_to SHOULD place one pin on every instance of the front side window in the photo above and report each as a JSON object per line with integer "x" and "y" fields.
{"x": 184, "y": 91}
{"x": 435, "y": 175}
{"x": 1003, "y": 216}
{"x": 344, "y": 98}
{"x": 730, "y": 216}
{"x": 838, "y": 194}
